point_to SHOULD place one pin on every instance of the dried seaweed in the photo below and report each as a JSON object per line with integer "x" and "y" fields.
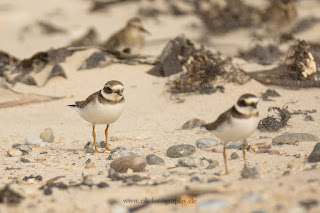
{"x": 90, "y": 38}
{"x": 9, "y": 196}
{"x": 98, "y": 5}
{"x": 299, "y": 69}
{"x": 272, "y": 124}
{"x": 269, "y": 93}
{"x": 49, "y": 28}
{"x": 304, "y": 24}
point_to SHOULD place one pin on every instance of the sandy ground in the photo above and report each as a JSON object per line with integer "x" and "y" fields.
{"x": 150, "y": 122}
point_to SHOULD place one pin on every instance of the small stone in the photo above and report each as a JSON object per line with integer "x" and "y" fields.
{"x": 122, "y": 152}
{"x": 88, "y": 161}
{"x": 212, "y": 205}
{"x": 43, "y": 144}
{"x": 190, "y": 161}
{"x": 252, "y": 198}
{"x": 293, "y": 138}
{"x": 249, "y": 173}
{"x": 90, "y": 165}
{"x": 38, "y": 178}
{"x": 308, "y": 118}
{"x": 182, "y": 150}
{"x": 33, "y": 141}
{"x": 154, "y": 160}
{"x": 268, "y": 151}
{"x": 120, "y": 209}
{"x": 235, "y": 145}
{"x": 16, "y": 145}
{"x": 290, "y": 165}
{"x": 102, "y": 185}
{"x": 14, "y": 152}
{"x": 103, "y": 144}
{"x": 122, "y": 164}
{"x": 193, "y": 123}
{"x": 88, "y": 181}
{"x": 196, "y": 177}
{"x": 204, "y": 143}
{"x": 308, "y": 203}
{"x": 23, "y": 160}
{"x": 234, "y": 155}
{"x": 315, "y": 154}
{"x": 213, "y": 179}
{"x": 263, "y": 145}
{"x": 48, "y": 191}
{"x": 259, "y": 211}
{"x": 25, "y": 148}
{"x": 286, "y": 173}
{"x": 47, "y": 135}
{"x": 211, "y": 166}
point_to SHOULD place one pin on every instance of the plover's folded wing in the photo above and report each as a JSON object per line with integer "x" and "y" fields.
{"x": 221, "y": 119}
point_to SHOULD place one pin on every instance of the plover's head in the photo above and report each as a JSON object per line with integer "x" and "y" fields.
{"x": 247, "y": 104}
{"x": 112, "y": 90}
{"x": 136, "y": 24}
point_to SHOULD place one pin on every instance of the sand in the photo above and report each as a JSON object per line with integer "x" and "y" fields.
{"x": 150, "y": 123}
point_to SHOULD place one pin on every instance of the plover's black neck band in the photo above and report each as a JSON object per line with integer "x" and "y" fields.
{"x": 235, "y": 113}
{"x": 102, "y": 100}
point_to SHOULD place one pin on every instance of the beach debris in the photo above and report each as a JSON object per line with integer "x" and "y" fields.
{"x": 190, "y": 162}
{"x": 293, "y": 138}
{"x": 299, "y": 69}
{"x": 272, "y": 124}
{"x": 181, "y": 150}
{"x": 315, "y": 154}
{"x": 260, "y": 54}
{"x": 219, "y": 18}
{"x": 269, "y": 93}
{"x": 36, "y": 177}
{"x": 204, "y": 143}
{"x": 9, "y": 196}
{"x": 122, "y": 164}
{"x": 154, "y": 160}
{"x": 47, "y": 135}
{"x": 304, "y": 24}
{"x": 7, "y": 61}
{"x": 193, "y": 123}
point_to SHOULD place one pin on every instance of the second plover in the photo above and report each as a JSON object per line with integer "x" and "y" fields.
{"x": 130, "y": 39}
{"x": 102, "y": 107}
{"x": 237, "y": 123}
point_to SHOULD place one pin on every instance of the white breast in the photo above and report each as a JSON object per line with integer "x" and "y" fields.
{"x": 237, "y": 129}
{"x": 97, "y": 113}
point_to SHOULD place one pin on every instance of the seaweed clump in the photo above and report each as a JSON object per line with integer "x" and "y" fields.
{"x": 272, "y": 124}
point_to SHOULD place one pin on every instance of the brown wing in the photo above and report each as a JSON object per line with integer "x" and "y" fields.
{"x": 81, "y": 104}
{"x": 222, "y": 118}
{"x": 114, "y": 41}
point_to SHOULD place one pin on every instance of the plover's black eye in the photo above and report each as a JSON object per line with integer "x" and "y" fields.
{"x": 242, "y": 103}
{"x": 107, "y": 90}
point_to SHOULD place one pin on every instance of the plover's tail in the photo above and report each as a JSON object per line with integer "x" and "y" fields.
{"x": 72, "y": 106}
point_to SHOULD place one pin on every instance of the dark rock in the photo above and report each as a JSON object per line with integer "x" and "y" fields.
{"x": 190, "y": 161}
{"x": 23, "y": 160}
{"x": 193, "y": 123}
{"x": 213, "y": 179}
{"x": 154, "y": 160}
{"x": 269, "y": 93}
{"x": 102, "y": 185}
{"x": 293, "y": 138}
{"x": 286, "y": 173}
{"x": 122, "y": 164}
{"x": 308, "y": 118}
{"x": 268, "y": 151}
{"x": 182, "y": 150}
{"x": 206, "y": 143}
{"x": 9, "y": 196}
{"x": 234, "y": 155}
{"x": 315, "y": 154}
{"x": 122, "y": 152}
{"x": 309, "y": 203}
{"x": 249, "y": 173}
{"x": 16, "y": 145}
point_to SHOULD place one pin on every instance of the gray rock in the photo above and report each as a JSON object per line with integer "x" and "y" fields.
{"x": 25, "y": 148}
{"x": 315, "y": 154}
{"x": 250, "y": 173}
{"x": 213, "y": 179}
{"x": 33, "y": 141}
{"x": 122, "y": 152}
{"x": 122, "y": 164}
{"x": 234, "y": 155}
{"x": 14, "y": 152}
{"x": 190, "y": 161}
{"x": 293, "y": 138}
{"x": 252, "y": 198}
{"x": 235, "y": 145}
{"x": 203, "y": 143}
{"x": 211, "y": 166}
{"x": 24, "y": 160}
{"x": 196, "y": 177}
{"x": 16, "y": 145}
{"x": 260, "y": 211}
{"x": 154, "y": 160}
{"x": 43, "y": 144}
{"x": 182, "y": 150}
{"x": 47, "y": 135}
{"x": 308, "y": 118}
{"x": 120, "y": 209}
{"x": 212, "y": 205}
{"x": 309, "y": 203}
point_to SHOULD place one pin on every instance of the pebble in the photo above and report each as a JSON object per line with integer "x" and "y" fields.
{"x": 308, "y": 203}
{"x": 286, "y": 173}
{"x": 213, "y": 179}
{"x": 120, "y": 209}
{"x": 190, "y": 161}
{"x": 102, "y": 185}
{"x": 14, "y": 152}
{"x": 25, "y": 148}
{"x": 122, "y": 152}
{"x": 252, "y": 198}
{"x": 249, "y": 173}
{"x": 293, "y": 138}
{"x": 212, "y": 205}
{"x": 43, "y": 144}
{"x": 90, "y": 165}
{"x": 16, "y": 145}
{"x": 122, "y": 164}
{"x": 308, "y": 118}
{"x": 204, "y": 143}
{"x": 182, "y": 150}
{"x": 193, "y": 123}
{"x": 47, "y": 135}
{"x": 211, "y": 166}
{"x": 154, "y": 160}
{"x": 33, "y": 141}
{"x": 315, "y": 154}
{"x": 234, "y": 155}
{"x": 24, "y": 160}
{"x": 196, "y": 177}
{"x": 263, "y": 145}
{"x": 268, "y": 151}
{"x": 235, "y": 145}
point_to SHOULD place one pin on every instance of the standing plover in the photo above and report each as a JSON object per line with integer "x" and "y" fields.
{"x": 237, "y": 123}
{"x": 130, "y": 39}
{"x": 102, "y": 107}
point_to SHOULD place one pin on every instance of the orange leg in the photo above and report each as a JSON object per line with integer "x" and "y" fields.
{"x": 244, "y": 153}
{"x": 106, "y": 133}
{"x": 94, "y": 140}
{"x": 225, "y": 159}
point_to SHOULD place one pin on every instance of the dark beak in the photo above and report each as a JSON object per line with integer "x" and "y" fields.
{"x": 119, "y": 93}
{"x": 145, "y": 31}
{"x": 254, "y": 105}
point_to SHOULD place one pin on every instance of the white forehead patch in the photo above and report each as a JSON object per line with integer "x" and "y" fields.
{"x": 251, "y": 100}
{"x": 117, "y": 87}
